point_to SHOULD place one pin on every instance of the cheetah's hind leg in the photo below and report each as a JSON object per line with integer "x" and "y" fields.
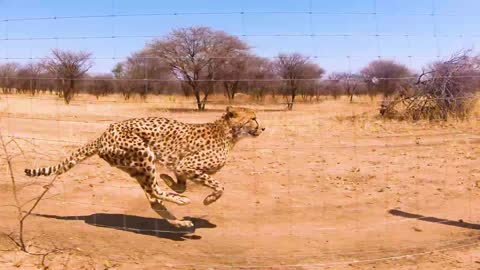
{"x": 178, "y": 186}
{"x": 160, "y": 209}
{"x": 138, "y": 163}
{"x": 156, "y": 196}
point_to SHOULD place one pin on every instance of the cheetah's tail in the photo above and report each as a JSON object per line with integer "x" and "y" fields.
{"x": 78, "y": 155}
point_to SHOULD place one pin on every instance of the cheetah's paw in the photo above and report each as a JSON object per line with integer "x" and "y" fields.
{"x": 211, "y": 198}
{"x": 178, "y": 199}
{"x": 181, "y": 223}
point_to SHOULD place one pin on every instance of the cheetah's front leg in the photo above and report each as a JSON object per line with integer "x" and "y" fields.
{"x": 194, "y": 168}
{"x": 208, "y": 181}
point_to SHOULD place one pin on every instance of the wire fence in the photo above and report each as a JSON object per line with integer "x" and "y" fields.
{"x": 395, "y": 161}
{"x": 230, "y": 80}
{"x": 433, "y": 13}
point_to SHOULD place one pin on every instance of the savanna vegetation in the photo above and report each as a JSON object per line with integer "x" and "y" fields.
{"x": 199, "y": 62}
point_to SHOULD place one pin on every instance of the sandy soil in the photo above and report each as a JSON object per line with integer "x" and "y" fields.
{"x": 327, "y": 186}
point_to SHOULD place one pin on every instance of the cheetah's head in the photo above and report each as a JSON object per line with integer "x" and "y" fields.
{"x": 243, "y": 121}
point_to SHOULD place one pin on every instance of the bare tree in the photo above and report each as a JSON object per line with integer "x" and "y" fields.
{"x": 457, "y": 76}
{"x": 28, "y": 77}
{"x": 296, "y": 70}
{"x": 8, "y": 76}
{"x": 138, "y": 75}
{"x": 232, "y": 74}
{"x": 385, "y": 77}
{"x": 46, "y": 83}
{"x": 68, "y": 67}
{"x": 333, "y": 88}
{"x": 262, "y": 72}
{"x": 195, "y": 56}
{"x": 100, "y": 85}
{"x": 444, "y": 88}
{"x": 120, "y": 84}
{"x": 349, "y": 84}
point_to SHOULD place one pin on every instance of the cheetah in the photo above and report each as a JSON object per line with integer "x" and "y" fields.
{"x": 191, "y": 151}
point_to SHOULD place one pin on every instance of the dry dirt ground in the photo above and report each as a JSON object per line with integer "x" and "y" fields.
{"x": 327, "y": 186}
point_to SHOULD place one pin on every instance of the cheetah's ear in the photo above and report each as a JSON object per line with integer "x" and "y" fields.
{"x": 230, "y": 112}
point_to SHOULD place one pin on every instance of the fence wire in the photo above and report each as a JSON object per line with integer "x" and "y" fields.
{"x": 39, "y": 148}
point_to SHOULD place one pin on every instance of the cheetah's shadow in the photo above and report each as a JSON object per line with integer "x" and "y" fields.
{"x": 141, "y": 225}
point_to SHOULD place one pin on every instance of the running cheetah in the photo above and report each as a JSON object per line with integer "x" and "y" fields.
{"x": 191, "y": 151}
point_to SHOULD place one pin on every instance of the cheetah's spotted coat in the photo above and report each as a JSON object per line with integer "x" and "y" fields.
{"x": 191, "y": 151}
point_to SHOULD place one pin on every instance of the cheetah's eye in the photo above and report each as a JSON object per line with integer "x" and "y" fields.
{"x": 254, "y": 118}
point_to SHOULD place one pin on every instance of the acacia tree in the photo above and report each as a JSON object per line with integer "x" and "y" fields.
{"x": 68, "y": 67}
{"x": 195, "y": 56}
{"x": 296, "y": 71}
{"x": 385, "y": 77}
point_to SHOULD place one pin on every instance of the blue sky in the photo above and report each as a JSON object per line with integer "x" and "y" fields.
{"x": 407, "y": 31}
